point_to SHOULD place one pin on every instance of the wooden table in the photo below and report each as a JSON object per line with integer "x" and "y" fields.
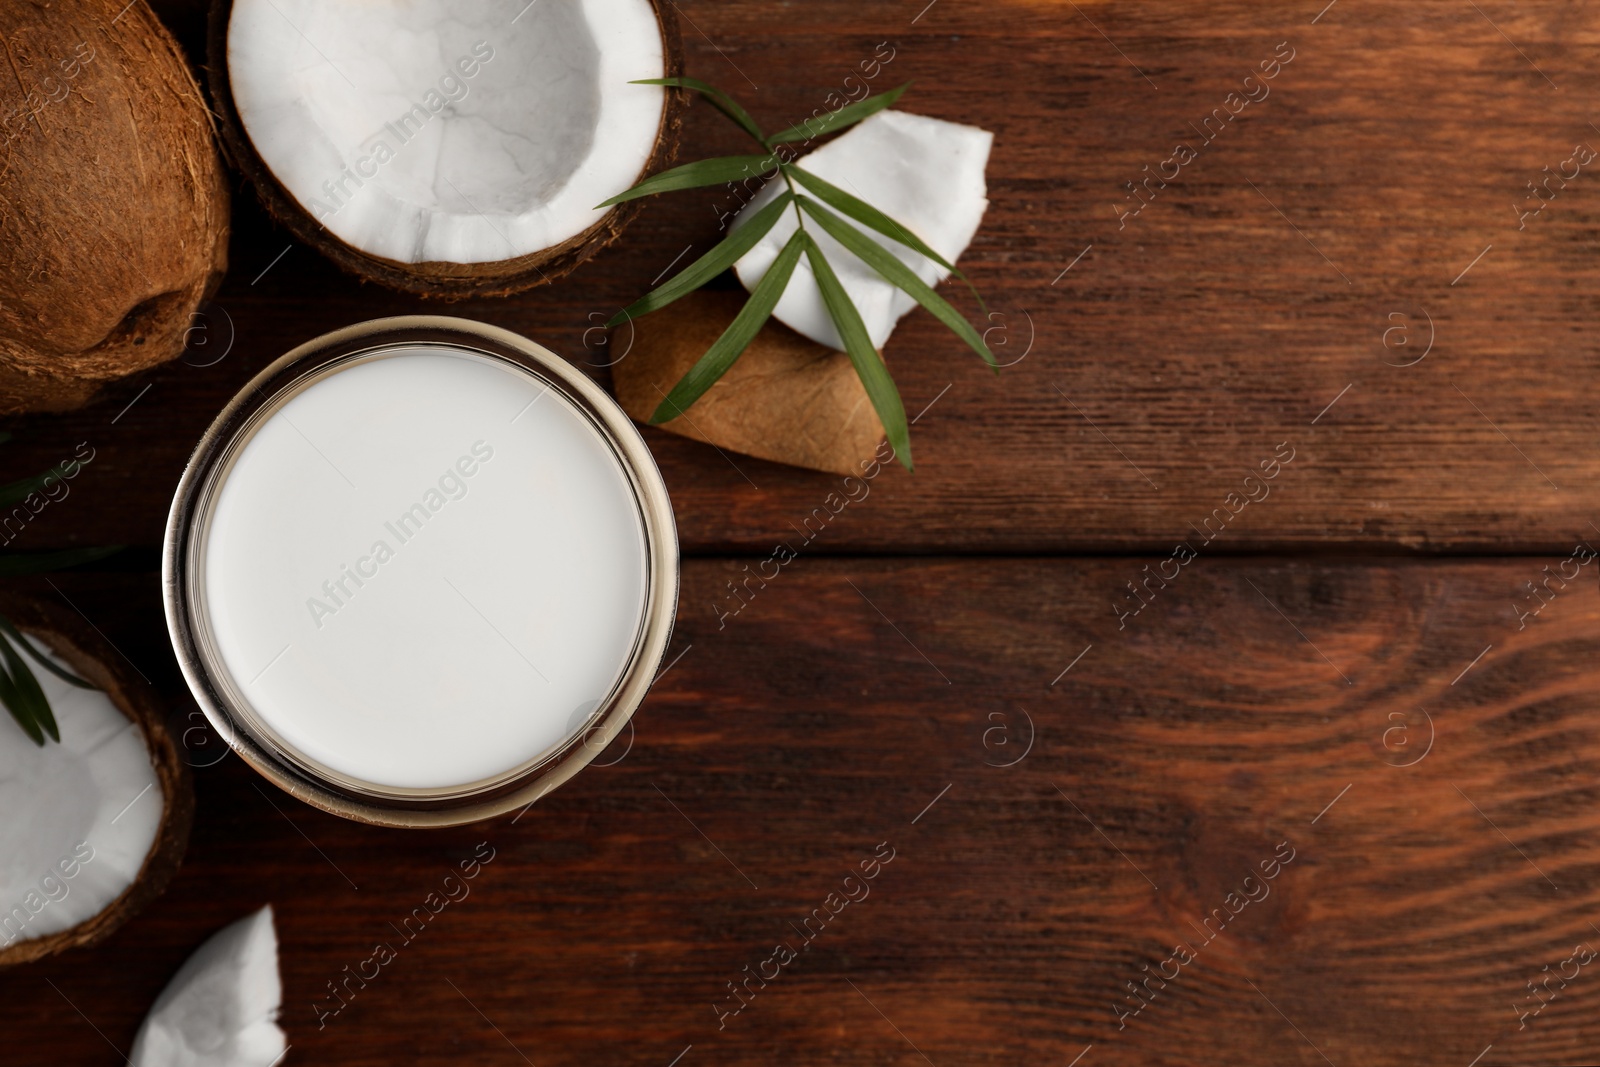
{"x": 1343, "y": 683}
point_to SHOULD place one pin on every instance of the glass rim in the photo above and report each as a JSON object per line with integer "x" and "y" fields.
{"x": 216, "y": 690}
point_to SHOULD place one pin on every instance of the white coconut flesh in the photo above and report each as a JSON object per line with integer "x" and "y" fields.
{"x": 925, "y": 173}
{"x": 460, "y": 131}
{"x": 79, "y": 817}
{"x": 221, "y": 1008}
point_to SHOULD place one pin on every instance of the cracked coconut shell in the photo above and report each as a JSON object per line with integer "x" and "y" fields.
{"x": 786, "y": 399}
{"x": 113, "y": 208}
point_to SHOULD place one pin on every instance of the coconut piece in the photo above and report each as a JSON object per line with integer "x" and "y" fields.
{"x": 925, "y": 173}
{"x": 221, "y": 1008}
{"x": 113, "y": 209}
{"x": 447, "y": 147}
{"x": 97, "y": 824}
{"x": 786, "y": 399}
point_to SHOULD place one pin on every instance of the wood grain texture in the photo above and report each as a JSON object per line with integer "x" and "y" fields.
{"x": 1219, "y": 322}
{"x": 863, "y": 699}
{"x": 832, "y": 713}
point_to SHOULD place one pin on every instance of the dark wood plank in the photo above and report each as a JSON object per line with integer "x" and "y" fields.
{"x": 1176, "y": 354}
{"x": 853, "y": 702}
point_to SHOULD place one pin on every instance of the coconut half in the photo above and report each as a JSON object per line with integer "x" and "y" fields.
{"x": 925, "y": 173}
{"x": 447, "y": 147}
{"x": 96, "y": 825}
{"x": 221, "y": 1008}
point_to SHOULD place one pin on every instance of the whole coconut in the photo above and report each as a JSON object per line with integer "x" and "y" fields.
{"x": 113, "y": 208}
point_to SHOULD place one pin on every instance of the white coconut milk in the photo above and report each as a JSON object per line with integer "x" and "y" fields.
{"x": 425, "y": 570}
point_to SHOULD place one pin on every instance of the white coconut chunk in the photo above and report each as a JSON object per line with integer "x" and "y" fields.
{"x": 221, "y": 1008}
{"x": 925, "y": 173}
{"x": 79, "y": 817}
{"x": 456, "y": 131}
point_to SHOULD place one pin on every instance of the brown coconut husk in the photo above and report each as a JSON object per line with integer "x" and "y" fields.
{"x": 113, "y": 207}
{"x": 787, "y": 398}
{"x": 437, "y": 279}
{"x": 92, "y": 658}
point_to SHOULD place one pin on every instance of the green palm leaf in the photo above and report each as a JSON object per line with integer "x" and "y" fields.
{"x": 26, "y": 694}
{"x": 725, "y": 351}
{"x": 873, "y": 219}
{"x": 23, "y": 643}
{"x": 896, "y": 273}
{"x": 728, "y": 252}
{"x": 846, "y": 116}
{"x": 696, "y": 175}
{"x": 19, "y": 710}
{"x": 737, "y": 337}
{"x": 13, "y": 564}
{"x": 858, "y": 345}
{"x": 17, "y": 491}
{"x": 715, "y": 97}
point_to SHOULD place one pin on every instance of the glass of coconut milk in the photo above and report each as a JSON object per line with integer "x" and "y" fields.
{"x": 420, "y": 571}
